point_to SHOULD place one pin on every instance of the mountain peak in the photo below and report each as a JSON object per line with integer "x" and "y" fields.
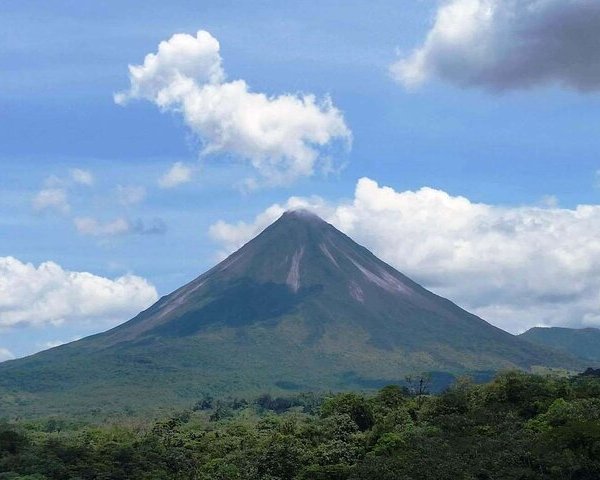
{"x": 302, "y": 214}
{"x": 295, "y": 227}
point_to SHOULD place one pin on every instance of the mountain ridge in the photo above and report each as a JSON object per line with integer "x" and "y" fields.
{"x": 582, "y": 343}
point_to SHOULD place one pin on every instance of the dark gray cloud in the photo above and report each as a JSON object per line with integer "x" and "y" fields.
{"x": 509, "y": 44}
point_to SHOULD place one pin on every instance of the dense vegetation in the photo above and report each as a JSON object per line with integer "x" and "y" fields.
{"x": 519, "y": 426}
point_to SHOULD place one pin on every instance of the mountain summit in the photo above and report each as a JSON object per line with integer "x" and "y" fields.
{"x": 301, "y": 306}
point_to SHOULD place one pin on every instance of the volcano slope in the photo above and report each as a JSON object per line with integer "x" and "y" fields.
{"x": 299, "y": 307}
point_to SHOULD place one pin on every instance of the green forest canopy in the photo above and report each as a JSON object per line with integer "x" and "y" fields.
{"x": 518, "y": 426}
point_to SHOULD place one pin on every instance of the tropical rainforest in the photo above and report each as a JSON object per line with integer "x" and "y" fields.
{"x": 518, "y": 426}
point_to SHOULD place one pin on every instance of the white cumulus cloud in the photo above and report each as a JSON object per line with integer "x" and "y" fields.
{"x": 509, "y": 44}
{"x": 516, "y": 267}
{"x": 282, "y": 137}
{"x": 178, "y": 174}
{"x": 49, "y": 295}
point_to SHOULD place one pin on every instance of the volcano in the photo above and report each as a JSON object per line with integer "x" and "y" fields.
{"x": 300, "y": 307}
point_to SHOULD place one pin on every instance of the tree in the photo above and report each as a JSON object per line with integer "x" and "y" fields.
{"x": 419, "y": 386}
{"x": 353, "y": 405}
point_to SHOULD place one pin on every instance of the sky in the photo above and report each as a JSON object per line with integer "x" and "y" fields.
{"x": 458, "y": 140}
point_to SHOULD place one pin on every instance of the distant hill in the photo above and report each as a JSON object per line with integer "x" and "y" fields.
{"x": 299, "y": 307}
{"x": 583, "y": 343}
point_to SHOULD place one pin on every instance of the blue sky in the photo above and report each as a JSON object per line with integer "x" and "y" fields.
{"x": 515, "y": 147}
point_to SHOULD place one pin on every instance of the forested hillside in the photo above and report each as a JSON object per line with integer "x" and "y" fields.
{"x": 518, "y": 426}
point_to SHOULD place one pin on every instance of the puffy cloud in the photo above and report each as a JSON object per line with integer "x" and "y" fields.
{"x": 48, "y": 294}
{"x": 82, "y": 177}
{"x": 5, "y": 354}
{"x": 509, "y": 44}
{"x": 51, "y": 199}
{"x": 130, "y": 194}
{"x": 178, "y": 174}
{"x": 282, "y": 136}
{"x": 92, "y": 227}
{"x": 181, "y": 57}
{"x": 515, "y": 266}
